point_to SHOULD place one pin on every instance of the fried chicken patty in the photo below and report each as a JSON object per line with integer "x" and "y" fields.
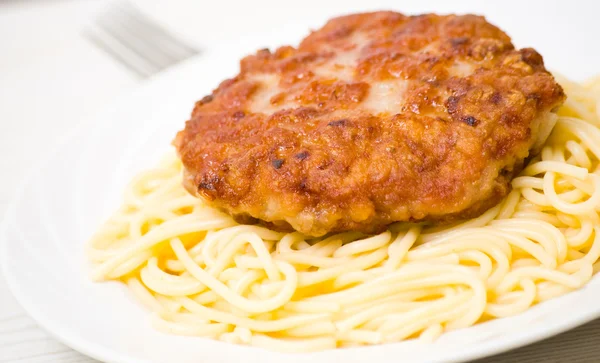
{"x": 374, "y": 118}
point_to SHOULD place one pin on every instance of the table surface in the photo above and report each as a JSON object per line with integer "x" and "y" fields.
{"x": 50, "y": 78}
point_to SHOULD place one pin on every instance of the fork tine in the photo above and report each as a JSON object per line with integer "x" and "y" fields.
{"x": 136, "y": 42}
{"x": 132, "y": 41}
{"x": 159, "y": 33}
{"x": 120, "y": 53}
{"x": 145, "y": 41}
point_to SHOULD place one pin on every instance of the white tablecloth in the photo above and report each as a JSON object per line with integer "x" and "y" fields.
{"x": 50, "y": 78}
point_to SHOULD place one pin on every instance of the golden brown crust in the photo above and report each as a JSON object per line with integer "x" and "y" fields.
{"x": 374, "y": 118}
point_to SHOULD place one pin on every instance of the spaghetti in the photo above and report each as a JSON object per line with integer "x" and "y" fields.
{"x": 203, "y": 274}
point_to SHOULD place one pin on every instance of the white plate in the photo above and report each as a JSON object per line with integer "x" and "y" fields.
{"x": 72, "y": 190}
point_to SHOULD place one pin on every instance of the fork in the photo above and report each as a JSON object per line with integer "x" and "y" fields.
{"x": 135, "y": 41}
